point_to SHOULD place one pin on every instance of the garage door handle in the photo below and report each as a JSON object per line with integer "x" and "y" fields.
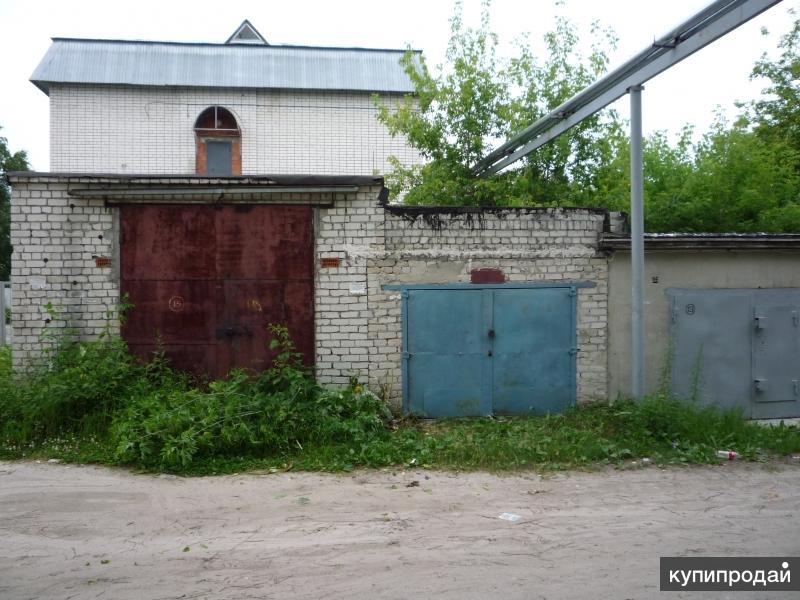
{"x": 489, "y": 353}
{"x": 491, "y": 333}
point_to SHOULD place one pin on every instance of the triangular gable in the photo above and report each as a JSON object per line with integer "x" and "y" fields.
{"x": 246, "y": 34}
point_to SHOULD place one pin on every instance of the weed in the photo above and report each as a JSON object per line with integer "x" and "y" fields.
{"x": 97, "y": 403}
{"x": 696, "y": 386}
{"x": 278, "y": 412}
{"x": 78, "y": 390}
{"x": 665, "y": 373}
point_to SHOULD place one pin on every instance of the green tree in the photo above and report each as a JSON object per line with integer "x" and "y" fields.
{"x": 742, "y": 176}
{"x": 8, "y": 162}
{"x": 461, "y": 110}
{"x": 740, "y": 182}
{"x": 564, "y": 171}
{"x": 777, "y": 113}
{"x": 450, "y": 119}
{"x": 666, "y": 169}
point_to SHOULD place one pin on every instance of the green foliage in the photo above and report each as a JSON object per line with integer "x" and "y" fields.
{"x": 78, "y": 391}
{"x": 732, "y": 180}
{"x": 17, "y": 161}
{"x": 742, "y": 176}
{"x": 6, "y": 379}
{"x": 461, "y": 109}
{"x": 275, "y": 413}
{"x": 560, "y": 171}
{"x": 96, "y": 399}
{"x": 95, "y": 402}
{"x": 680, "y": 431}
{"x": 777, "y": 113}
{"x": 451, "y": 118}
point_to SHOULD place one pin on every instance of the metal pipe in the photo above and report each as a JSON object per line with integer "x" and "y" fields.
{"x": 637, "y": 244}
{"x": 711, "y": 23}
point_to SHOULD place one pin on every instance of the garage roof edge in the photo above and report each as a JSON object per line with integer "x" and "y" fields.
{"x": 112, "y": 179}
{"x": 710, "y": 241}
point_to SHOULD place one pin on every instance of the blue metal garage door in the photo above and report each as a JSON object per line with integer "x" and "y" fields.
{"x": 483, "y": 350}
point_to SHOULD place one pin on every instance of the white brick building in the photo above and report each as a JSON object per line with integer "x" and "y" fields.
{"x": 227, "y": 186}
{"x": 134, "y": 106}
{"x": 151, "y": 130}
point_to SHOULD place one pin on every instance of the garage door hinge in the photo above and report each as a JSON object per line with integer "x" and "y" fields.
{"x": 674, "y": 315}
{"x": 404, "y": 294}
{"x": 573, "y": 351}
{"x": 406, "y": 355}
{"x": 573, "y": 292}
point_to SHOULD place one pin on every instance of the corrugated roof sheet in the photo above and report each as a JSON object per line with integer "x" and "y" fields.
{"x": 221, "y": 65}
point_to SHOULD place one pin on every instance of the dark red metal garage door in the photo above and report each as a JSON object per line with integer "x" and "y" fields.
{"x": 206, "y": 281}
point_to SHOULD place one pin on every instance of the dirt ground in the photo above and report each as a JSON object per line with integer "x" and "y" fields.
{"x": 87, "y": 532}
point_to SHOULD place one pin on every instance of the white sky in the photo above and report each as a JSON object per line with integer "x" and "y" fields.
{"x": 688, "y": 93}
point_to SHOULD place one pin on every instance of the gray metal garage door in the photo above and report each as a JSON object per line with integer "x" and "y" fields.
{"x": 738, "y": 348}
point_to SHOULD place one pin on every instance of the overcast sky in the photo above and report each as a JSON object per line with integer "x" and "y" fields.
{"x": 688, "y": 93}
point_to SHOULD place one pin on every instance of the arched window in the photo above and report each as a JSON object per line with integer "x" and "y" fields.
{"x": 219, "y": 143}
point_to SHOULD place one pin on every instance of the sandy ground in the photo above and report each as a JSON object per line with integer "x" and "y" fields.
{"x": 86, "y": 532}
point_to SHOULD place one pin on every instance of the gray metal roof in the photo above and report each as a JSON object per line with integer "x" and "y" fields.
{"x": 117, "y": 62}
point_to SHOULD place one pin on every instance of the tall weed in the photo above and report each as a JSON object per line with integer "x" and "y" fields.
{"x": 78, "y": 390}
{"x": 94, "y": 401}
{"x": 275, "y": 413}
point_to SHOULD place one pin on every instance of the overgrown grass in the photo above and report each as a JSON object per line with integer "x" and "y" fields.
{"x": 96, "y": 403}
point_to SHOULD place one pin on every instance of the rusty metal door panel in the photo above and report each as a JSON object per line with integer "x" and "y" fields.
{"x": 298, "y": 299}
{"x": 249, "y": 306}
{"x": 198, "y": 359}
{"x": 171, "y": 311}
{"x": 248, "y": 309}
{"x": 206, "y": 281}
{"x": 168, "y": 242}
{"x": 174, "y": 315}
{"x": 265, "y": 242}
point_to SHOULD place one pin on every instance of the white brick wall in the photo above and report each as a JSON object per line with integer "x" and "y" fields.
{"x": 351, "y": 231}
{"x": 357, "y": 322}
{"x": 360, "y": 334}
{"x": 115, "y": 129}
{"x": 528, "y": 245}
{"x": 56, "y": 240}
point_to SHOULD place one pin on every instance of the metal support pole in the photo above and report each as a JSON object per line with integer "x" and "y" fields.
{"x": 637, "y": 244}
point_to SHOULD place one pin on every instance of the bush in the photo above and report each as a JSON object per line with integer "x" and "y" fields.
{"x": 154, "y": 417}
{"x": 96, "y": 402}
{"x": 275, "y": 413}
{"x": 78, "y": 391}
